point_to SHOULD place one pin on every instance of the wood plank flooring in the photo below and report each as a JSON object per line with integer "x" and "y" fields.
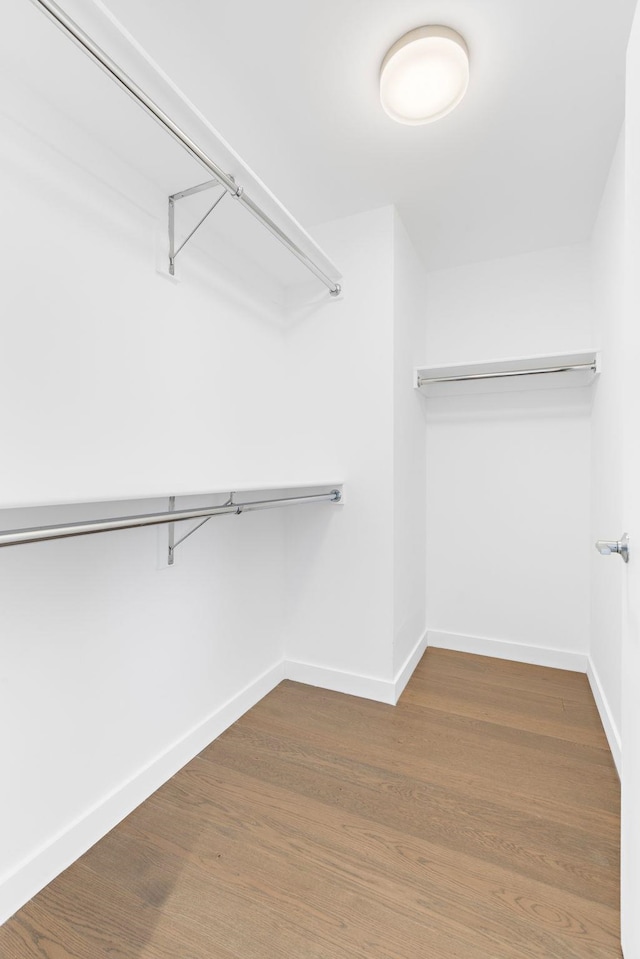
{"x": 478, "y": 819}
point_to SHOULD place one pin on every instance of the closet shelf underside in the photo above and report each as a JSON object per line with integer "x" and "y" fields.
{"x": 169, "y": 149}
{"x": 217, "y": 489}
{"x": 542, "y": 372}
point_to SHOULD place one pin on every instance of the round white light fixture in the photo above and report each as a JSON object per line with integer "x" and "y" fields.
{"x": 424, "y": 75}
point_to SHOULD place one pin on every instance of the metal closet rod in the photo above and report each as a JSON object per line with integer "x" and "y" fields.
{"x": 84, "y": 41}
{"x": 425, "y": 380}
{"x": 37, "y": 534}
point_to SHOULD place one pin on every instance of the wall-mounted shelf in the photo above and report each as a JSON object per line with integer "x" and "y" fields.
{"x": 236, "y": 502}
{"x": 223, "y": 485}
{"x": 149, "y": 147}
{"x": 550, "y": 371}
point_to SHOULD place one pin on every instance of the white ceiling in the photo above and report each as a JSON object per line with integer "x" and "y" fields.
{"x": 292, "y": 85}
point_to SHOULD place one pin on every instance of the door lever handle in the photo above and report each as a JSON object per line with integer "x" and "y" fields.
{"x": 621, "y": 546}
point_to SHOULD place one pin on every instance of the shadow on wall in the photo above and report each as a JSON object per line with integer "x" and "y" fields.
{"x": 500, "y": 407}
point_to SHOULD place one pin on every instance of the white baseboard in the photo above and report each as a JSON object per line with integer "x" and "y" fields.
{"x": 516, "y": 652}
{"x": 49, "y": 861}
{"x": 33, "y": 874}
{"x": 606, "y": 716}
{"x": 406, "y": 671}
{"x": 353, "y": 684}
{"x": 540, "y": 656}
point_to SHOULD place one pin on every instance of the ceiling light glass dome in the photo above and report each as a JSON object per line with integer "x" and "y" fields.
{"x": 424, "y": 75}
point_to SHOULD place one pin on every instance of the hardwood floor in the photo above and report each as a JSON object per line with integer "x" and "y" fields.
{"x": 478, "y": 819}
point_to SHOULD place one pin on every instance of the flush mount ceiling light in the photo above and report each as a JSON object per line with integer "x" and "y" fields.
{"x": 424, "y": 75}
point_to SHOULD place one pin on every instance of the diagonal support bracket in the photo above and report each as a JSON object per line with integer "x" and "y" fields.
{"x": 173, "y": 542}
{"x": 173, "y": 249}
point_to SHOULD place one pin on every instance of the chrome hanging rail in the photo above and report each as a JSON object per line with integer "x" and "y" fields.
{"x": 37, "y": 534}
{"x": 84, "y": 41}
{"x": 466, "y": 377}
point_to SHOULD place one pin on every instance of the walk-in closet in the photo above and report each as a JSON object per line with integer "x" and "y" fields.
{"x": 319, "y": 510}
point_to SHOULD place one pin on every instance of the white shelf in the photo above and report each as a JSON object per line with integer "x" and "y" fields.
{"x": 271, "y": 486}
{"x": 508, "y": 375}
{"x": 169, "y": 515}
{"x": 87, "y": 118}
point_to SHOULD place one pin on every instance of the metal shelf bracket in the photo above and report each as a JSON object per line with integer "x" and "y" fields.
{"x": 173, "y": 251}
{"x": 174, "y": 543}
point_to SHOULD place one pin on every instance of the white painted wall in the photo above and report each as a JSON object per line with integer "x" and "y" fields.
{"x": 629, "y": 414}
{"x": 520, "y": 306}
{"x": 122, "y": 385}
{"x": 340, "y": 389}
{"x": 113, "y": 363}
{"x": 118, "y": 383}
{"x": 409, "y": 450}
{"x": 607, "y": 444}
{"x": 508, "y": 532}
{"x": 356, "y": 611}
{"x": 115, "y": 672}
